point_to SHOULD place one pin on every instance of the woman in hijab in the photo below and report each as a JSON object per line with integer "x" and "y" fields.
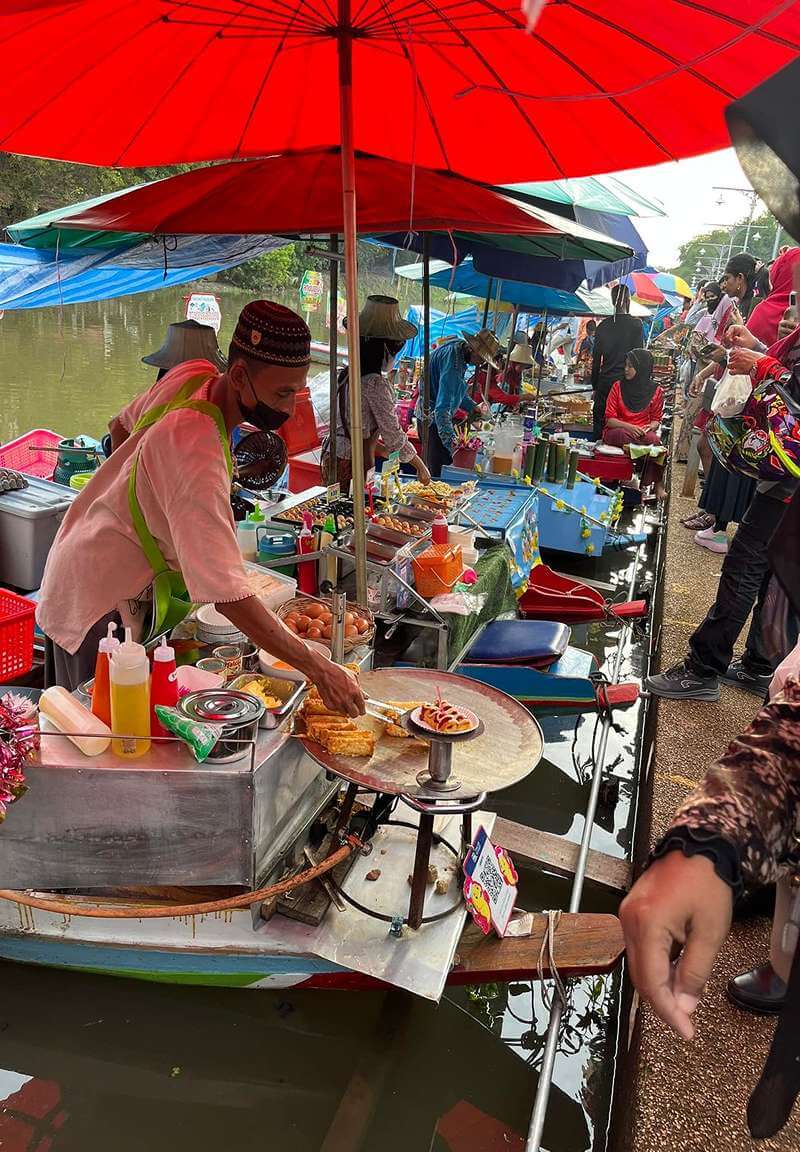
{"x": 634, "y": 409}
{"x": 766, "y": 316}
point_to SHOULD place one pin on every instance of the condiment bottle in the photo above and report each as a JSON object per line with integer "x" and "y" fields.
{"x": 247, "y": 536}
{"x": 327, "y": 565}
{"x": 163, "y": 685}
{"x": 306, "y": 573}
{"x": 101, "y": 692}
{"x": 86, "y": 731}
{"x": 129, "y": 673}
{"x": 439, "y": 529}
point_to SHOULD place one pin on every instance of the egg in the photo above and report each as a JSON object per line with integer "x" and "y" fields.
{"x": 350, "y": 617}
{"x": 314, "y": 611}
{"x": 326, "y": 631}
{"x": 326, "y": 617}
{"x": 350, "y": 630}
{"x": 291, "y": 618}
{"x": 303, "y": 623}
{"x": 362, "y": 625}
{"x": 314, "y": 633}
{"x": 292, "y": 626}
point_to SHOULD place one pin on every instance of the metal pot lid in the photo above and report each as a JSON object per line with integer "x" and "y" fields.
{"x": 222, "y": 706}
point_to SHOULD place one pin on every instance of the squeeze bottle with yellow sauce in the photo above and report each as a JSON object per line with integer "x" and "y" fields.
{"x": 129, "y": 674}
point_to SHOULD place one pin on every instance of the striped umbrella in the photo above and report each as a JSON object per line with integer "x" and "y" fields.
{"x": 642, "y": 289}
{"x": 671, "y": 285}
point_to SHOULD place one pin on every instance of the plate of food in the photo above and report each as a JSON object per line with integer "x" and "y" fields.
{"x": 441, "y": 718}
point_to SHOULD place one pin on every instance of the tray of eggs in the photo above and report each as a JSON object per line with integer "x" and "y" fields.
{"x": 312, "y": 619}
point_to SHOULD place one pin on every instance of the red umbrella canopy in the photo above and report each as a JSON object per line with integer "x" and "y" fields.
{"x": 458, "y": 85}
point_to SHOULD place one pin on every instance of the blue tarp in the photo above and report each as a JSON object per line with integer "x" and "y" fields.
{"x": 444, "y": 326}
{"x": 530, "y": 297}
{"x": 38, "y": 278}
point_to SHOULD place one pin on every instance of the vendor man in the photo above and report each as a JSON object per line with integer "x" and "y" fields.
{"x": 448, "y": 391}
{"x": 103, "y": 560}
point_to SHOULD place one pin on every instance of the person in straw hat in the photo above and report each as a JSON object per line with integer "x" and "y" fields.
{"x": 383, "y": 332}
{"x": 449, "y": 391}
{"x": 154, "y": 531}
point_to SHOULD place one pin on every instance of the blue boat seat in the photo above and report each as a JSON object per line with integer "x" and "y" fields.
{"x": 537, "y": 643}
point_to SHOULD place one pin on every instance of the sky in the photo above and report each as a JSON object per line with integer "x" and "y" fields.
{"x": 686, "y": 189}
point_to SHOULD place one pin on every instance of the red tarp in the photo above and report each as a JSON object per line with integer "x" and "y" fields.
{"x": 598, "y": 86}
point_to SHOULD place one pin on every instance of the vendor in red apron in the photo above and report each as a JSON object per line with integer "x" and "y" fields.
{"x": 154, "y": 532}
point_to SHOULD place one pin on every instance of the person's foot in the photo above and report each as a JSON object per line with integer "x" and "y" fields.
{"x": 740, "y": 675}
{"x": 680, "y": 683}
{"x": 713, "y": 541}
{"x": 661, "y": 492}
{"x": 698, "y": 521}
{"x": 761, "y": 991}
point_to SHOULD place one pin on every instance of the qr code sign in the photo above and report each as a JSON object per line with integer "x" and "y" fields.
{"x": 490, "y": 876}
{"x": 490, "y": 886}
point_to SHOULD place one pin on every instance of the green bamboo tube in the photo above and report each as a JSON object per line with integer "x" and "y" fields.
{"x": 562, "y": 457}
{"x": 572, "y": 475}
{"x": 539, "y": 461}
{"x": 551, "y": 461}
{"x": 530, "y": 453}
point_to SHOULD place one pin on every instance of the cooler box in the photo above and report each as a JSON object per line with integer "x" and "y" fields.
{"x": 29, "y": 521}
{"x": 304, "y": 471}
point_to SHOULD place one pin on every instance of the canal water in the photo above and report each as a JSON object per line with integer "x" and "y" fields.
{"x": 88, "y": 1062}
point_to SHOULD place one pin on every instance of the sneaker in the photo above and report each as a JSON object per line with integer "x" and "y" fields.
{"x": 680, "y": 683}
{"x": 739, "y": 674}
{"x": 699, "y": 521}
{"x": 713, "y": 541}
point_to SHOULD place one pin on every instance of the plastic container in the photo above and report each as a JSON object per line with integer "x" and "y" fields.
{"x": 300, "y": 433}
{"x": 79, "y": 481}
{"x": 16, "y": 635}
{"x": 247, "y": 537}
{"x": 439, "y": 529}
{"x": 463, "y": 537}
{"x": 305, "y": 471}
{"x": 191, "y": 679}
{"x": 272, "y": 547}
{"x": 129, "y": 673}
{"x": 163, "y": 684}
{"x": 437, "y": 569}
{"x": 307, "y": 573}
{"x": 22, "y": 453}
{"x": 281, "y": 588}
{"x": 29, "y": 521}
{"x": 68, "y": 715}
{"x": 101, "y": 690}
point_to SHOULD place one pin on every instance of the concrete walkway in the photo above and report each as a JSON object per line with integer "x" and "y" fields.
{"x": 692, "y": 1097}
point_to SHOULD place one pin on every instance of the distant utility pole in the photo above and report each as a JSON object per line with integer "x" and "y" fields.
{"x": 753, "y": 198}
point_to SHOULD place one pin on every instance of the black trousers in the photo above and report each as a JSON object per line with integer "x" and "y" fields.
{"x": 742, "y": 586}
{"x": 601, "y": 393}
{"x": 438, "y": 455}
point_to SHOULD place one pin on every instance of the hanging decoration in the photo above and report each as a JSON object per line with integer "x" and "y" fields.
{"x": 19, "y": 739}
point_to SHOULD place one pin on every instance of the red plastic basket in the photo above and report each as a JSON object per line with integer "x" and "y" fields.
{"x": 16, "y": 635}
{"x": 22, "y": 453}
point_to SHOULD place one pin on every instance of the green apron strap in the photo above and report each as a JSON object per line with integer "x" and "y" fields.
{"x": 192, "y": 385}
{"x": 153, "y": 553}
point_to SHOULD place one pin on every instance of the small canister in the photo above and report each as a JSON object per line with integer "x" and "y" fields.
{"x": 213, "y": 665}
{"x": 231, "y": 655}
{"x": 237, "y": 714}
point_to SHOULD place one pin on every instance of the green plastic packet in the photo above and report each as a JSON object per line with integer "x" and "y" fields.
{"x": 201, "y": 738}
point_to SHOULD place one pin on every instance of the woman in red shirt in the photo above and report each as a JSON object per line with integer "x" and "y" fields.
{"x": 634, "y": 409}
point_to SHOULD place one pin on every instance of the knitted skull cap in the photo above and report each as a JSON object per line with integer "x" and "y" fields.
{"x": 274, "y": 334}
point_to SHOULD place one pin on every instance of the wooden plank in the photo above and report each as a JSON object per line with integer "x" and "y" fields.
{"x": 585, "y": 943}
{"x": 692, "y": 465}
{"x": 560, "y": 855}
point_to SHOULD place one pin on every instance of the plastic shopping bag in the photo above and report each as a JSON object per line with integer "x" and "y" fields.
{"x": 731, "y": 395}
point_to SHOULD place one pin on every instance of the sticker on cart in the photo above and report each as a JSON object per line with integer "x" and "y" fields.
{"x": 333, "y": 492}
{"x": 490, "y": 885}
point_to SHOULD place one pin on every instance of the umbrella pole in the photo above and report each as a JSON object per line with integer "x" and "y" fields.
{"x": 424, "y": 431}
{"x": 542, "y": 355}
{"x": 333, "y": 361}
{"x": 345, "y": 45}
{"x": 489, "y": 290}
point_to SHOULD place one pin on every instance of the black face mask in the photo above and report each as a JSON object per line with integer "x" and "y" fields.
{"x": 712, "y": 303}
{"x": 265, "y": 417}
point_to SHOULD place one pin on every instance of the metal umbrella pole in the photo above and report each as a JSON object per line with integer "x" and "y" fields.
{"x": 345, "y": 49}
{"x": 426, "y": 345}
{"x": 333, "y": 359}
{"x": 534, "y": 1142}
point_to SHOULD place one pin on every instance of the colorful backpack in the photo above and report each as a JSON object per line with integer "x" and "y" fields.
{"x": 763, "y": 441}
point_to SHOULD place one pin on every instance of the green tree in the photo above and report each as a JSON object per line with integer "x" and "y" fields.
{"x": 705, "y": 255}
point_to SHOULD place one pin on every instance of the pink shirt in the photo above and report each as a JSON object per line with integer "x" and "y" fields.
{"x": 96, "y": 564}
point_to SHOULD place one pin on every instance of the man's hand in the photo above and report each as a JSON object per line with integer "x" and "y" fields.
{"x": 738, "y": 336}
{"x": 742, "y": 361}
{"x": 338, "y": 688}
{"x": 423, "y": 475}
{"x": 679, "y": 903}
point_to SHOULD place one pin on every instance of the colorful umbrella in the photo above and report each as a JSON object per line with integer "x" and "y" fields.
{"x": 671, "y": 285}
{"x": 642, "y": 289}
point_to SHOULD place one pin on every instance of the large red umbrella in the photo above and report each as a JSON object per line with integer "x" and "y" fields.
{"x": 456, "y": 84}
{"x": 453, "y": 84}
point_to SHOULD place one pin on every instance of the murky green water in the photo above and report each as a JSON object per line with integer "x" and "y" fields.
{"x": 93, "y": 1063}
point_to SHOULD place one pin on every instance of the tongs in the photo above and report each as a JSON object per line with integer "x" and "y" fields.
{"x": 380, "y": 710}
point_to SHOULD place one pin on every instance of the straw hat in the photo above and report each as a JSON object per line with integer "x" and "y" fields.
{"x": 521, "y": 354}
{"x": 187, "y": 340}
{"x": 484, "y": 344}
{"x": 380, "y": 319}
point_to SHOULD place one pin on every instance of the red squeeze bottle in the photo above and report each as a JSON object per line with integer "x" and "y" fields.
{"x": 101, "y": 693}
{"x": 163, "y": 685}
{"x": 307, "y": 572}
{"x": 439, "y": 529}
